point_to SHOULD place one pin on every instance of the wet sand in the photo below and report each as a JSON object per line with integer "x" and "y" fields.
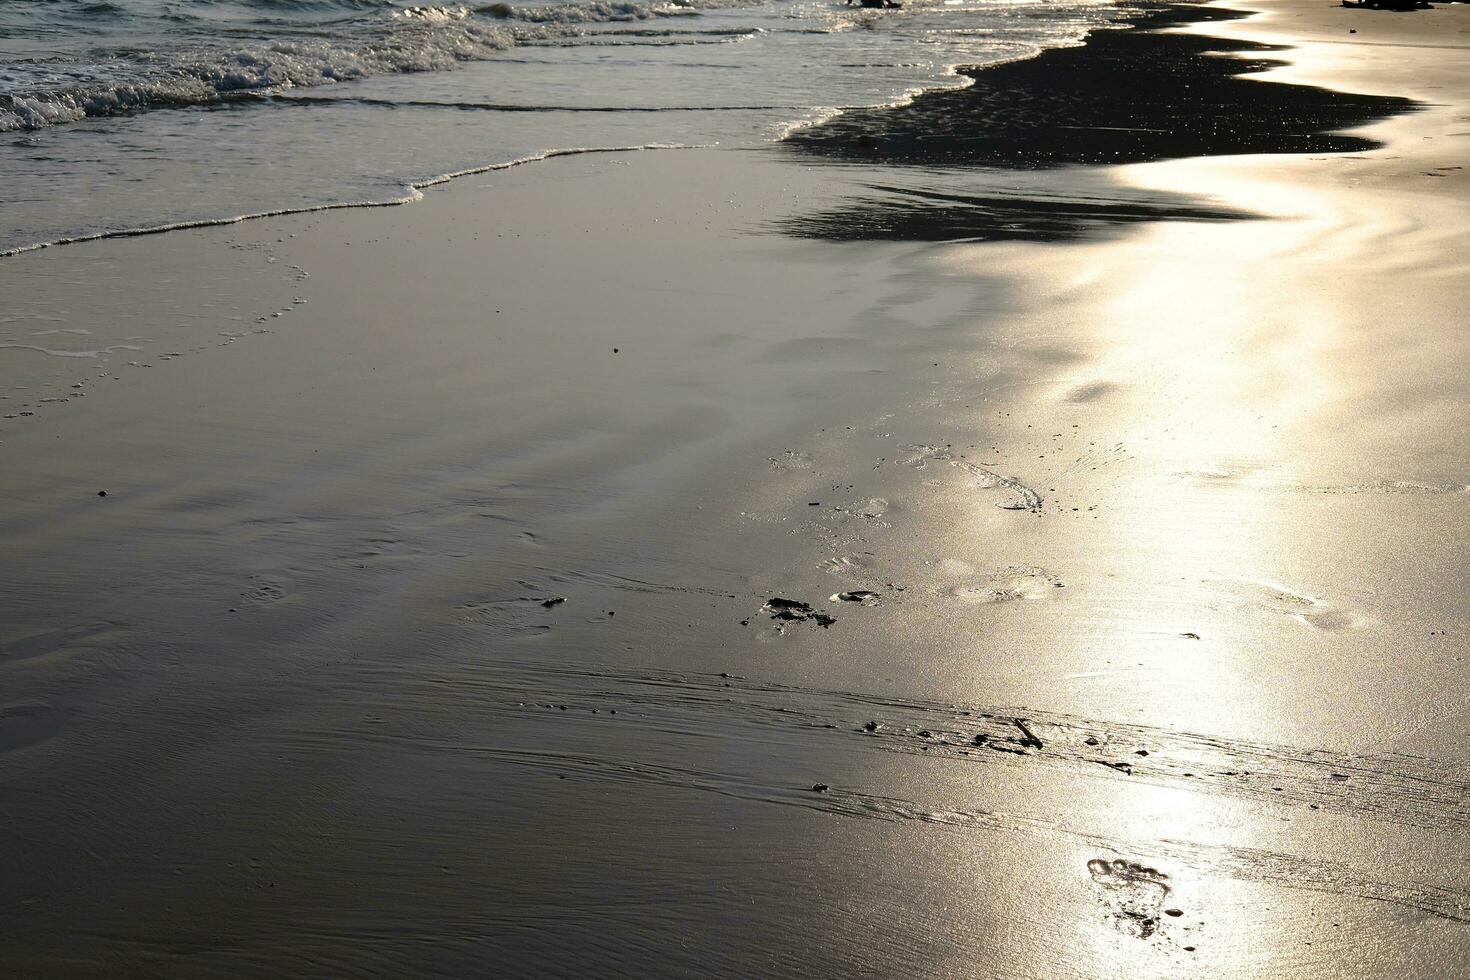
{"x": 426, "y": 628}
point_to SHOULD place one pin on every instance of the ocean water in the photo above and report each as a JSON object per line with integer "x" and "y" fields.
{"x": 120, "y": 115}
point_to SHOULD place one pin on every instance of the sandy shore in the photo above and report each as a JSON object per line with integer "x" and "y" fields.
{"x": 424, "y": 626}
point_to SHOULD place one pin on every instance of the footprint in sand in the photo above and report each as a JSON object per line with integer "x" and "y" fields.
{"x": 858, "y": 567}
{"x": 1209, "y": 474}
{"x": 1304, "y": 609}
{"x": 1089, "y": 391}
{"x": 1023, "y": 497}
{"x": 264, "y": 591}
{"x": 531, "y": 613}
{"x": 871, "y": 511}
{"x": 1132, "y": 895}
{"x": 919, "y": 457}
{"x": 862, "y": 571}
{"x": 1007, "y": 585}
{"x": 791, "y": 460}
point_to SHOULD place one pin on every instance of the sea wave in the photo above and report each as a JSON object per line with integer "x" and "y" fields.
{"x": 404, "y": 39}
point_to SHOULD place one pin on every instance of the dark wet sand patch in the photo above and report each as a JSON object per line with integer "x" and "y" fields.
{"x": 1129, "y": 95}
{"x": 895, "y": 213}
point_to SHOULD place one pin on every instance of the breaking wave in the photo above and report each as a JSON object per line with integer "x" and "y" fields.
{"x": 407, "y": 39}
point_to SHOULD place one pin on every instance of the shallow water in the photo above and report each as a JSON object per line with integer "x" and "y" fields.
{"x": 140, "y": 113}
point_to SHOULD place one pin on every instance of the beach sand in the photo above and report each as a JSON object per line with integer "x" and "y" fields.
{"x": 425, "y": 627}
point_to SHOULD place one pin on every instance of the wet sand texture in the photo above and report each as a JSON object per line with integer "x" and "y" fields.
{"x": 581, "y": 578}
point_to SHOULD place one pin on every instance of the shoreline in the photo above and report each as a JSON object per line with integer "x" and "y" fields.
{"x": 408, "y": 189}
{"x": 427, "y": 633}
{"x": 414, "y": 193}
{"x": 836, "y": 140}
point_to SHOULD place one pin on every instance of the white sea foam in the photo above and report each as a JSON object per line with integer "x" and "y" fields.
{"x": 412, "y": 39}
{"x": 411, "y": 192}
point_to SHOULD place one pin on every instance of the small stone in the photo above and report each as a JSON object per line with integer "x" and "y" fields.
{"x": 1175, "y": 913}
{"x": 871, "y": 726}
{"x": 101, "y": 493}
{"x": 925, "y": 733}
{"x": 820, "y": 788}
